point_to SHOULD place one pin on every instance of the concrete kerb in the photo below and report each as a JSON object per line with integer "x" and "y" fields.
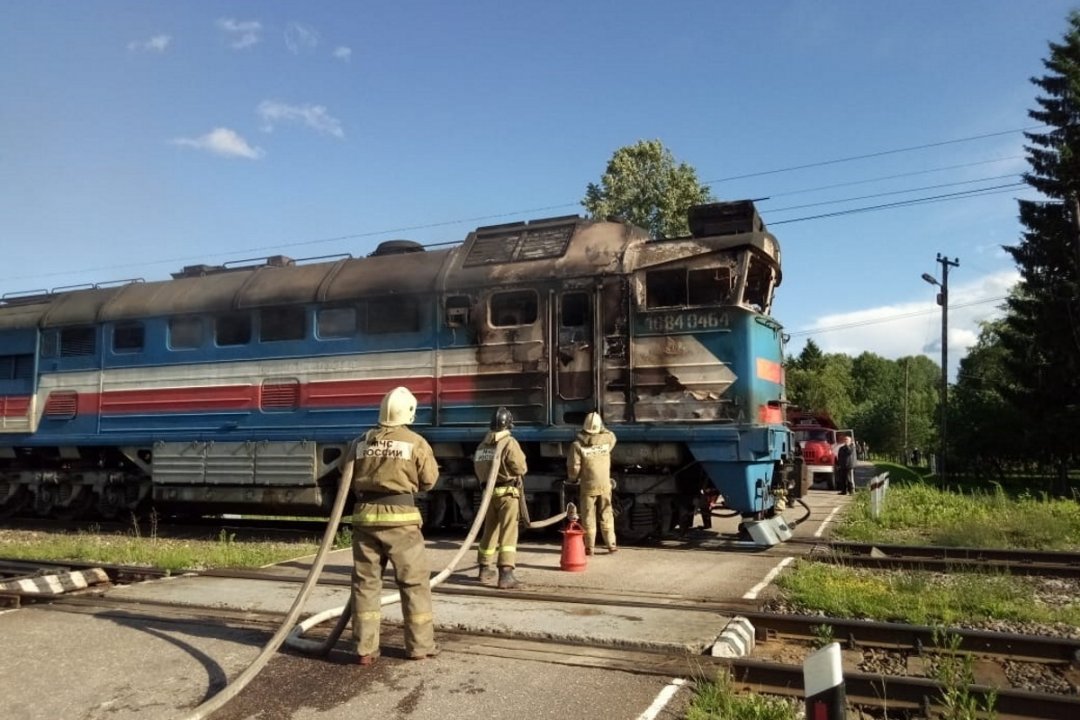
{"x": 57, "y": 583}
{"x": 735, "y": 640}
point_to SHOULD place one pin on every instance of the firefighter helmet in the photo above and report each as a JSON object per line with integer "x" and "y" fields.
{"x": 502, "y": 420}
{"x": 398, "y": 408}
{"x": 593, "y": 423}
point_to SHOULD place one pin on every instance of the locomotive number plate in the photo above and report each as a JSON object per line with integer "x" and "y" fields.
{"x": 686, "y": 321}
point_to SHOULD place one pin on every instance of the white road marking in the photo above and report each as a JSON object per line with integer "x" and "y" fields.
{"x": 826, "y": 521}
{"x": 662, "y": 699}
{"x": 753, "y": 593}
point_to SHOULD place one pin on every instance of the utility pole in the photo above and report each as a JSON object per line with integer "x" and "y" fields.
{"x": 943, "y": 301}
{"x": 907, "y": 362}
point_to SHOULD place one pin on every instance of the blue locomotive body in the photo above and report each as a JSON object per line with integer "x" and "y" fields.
{"x": 237, "y": 388}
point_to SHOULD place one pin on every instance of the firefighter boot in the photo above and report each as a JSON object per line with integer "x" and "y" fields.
{"x": 487, "y": 574}
{"x": 507, "y": 581}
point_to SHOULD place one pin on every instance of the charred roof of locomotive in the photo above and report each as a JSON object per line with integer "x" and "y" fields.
{"x": 563, "y": 247}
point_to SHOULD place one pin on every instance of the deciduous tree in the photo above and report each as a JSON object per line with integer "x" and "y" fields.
{"x": 645, "y": 186}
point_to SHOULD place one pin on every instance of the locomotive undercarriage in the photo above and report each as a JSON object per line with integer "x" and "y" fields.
{"x": 649, "y": 502}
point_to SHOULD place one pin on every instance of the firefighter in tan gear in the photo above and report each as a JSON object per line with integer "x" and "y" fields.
{"x": 501, "y": 523}
{"x": 388, "y": 464}
{"x": 589, "y": 464}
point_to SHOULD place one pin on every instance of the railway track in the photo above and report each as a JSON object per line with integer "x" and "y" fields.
{"x": 894, "y": 693}
{"x": 944, "y": 559}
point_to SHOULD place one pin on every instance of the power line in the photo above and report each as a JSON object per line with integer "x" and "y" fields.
{"x": 907, "y": 203}
{"x": 879, "y": 178}
{"x": 892, "y": 318}
{"x": 867, "y": 156}
{"x": 894, "y": 192}
{"x": 517, "y": 213}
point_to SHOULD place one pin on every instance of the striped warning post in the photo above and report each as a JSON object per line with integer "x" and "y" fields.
{"x": 736, "y": 639}
{"x": 56, "y": 584}
{"x": 823, "y": 680}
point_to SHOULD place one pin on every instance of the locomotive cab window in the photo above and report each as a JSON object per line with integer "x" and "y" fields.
{"x": 393, "y": 315}
{"x": 665, "y": 288}
{"x": 232, "y": 329}
{"x": 336, "y": 322}
{"x": 710, "y": 286}
{"x": 78, "y": 341}
{"x": 185, "y": 333}
{"x": 128, "y": 337}
{"x": 759, "y": 282}
{"x": 510, "y": 309}
{"x": 282, "y": 323}
{"x": 682, "y": 287}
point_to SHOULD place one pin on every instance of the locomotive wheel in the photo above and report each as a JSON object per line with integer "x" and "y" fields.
{"x": 81, "y": 505}
{"x": 17, "y": 503}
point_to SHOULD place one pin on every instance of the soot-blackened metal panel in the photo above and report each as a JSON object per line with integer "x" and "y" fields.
{"x": 518, "y": 244}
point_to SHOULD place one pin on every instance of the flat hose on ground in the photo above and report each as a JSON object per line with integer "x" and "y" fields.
{"x": 295, "y": 638}
{"x": 231, "y": 690}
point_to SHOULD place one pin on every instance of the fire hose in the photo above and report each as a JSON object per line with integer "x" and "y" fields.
{"x": 294, "y": 638}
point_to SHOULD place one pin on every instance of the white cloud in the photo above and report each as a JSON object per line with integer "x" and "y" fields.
{"x": 222, "y": 141}
{"x": 240, "y": 33}
{"x": 157, "y": 44}
{"x": 342, "y": 53}
{"x": 314, "y": 116}
{"x": 910, "y": 328}
{"x": 299, "y": 38}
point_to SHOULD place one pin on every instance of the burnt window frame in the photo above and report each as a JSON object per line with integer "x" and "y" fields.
{"x": 267, "y": 320}
{"x": 458, "y": 303}
{"x": 324, "y": 312}
{"x": 242, "y": 318}
{"x": 652, "y": 276}
{"x": 128, "y": 329}
{"x": 192, "y": 321}
{"x": 713, "y": 284}
{"x": 378, "y": 308}
{"x": 535, "y": 297}
{"x": 586, "y": 310}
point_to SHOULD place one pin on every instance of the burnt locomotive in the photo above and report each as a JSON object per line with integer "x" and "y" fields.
{"x": 236, "y": 388}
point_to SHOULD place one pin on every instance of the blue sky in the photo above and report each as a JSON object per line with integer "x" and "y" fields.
{"x": 139, "y": 137}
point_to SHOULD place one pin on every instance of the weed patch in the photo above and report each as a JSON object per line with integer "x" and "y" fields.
{"x": 718, "y": 700}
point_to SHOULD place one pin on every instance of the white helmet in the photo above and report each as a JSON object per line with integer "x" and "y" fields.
{"x": 398, "y": 408}
{"x": 593, "y": 424}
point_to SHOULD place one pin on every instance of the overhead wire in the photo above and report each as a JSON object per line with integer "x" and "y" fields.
{"x": 892, "y": 318}
{"x": 547, "y": 208}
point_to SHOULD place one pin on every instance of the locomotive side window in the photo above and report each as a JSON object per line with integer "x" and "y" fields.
{"x": 185, "y": 333}
{"x": 16, "y": 367}
{"x": 232, "y": 329}
{"x": 665, "y": 288}
{"x": 339, "y": 322}
{"x": 128, "y": 337}
{"x": 458, "y": 308}
{"x": 576, "y": 312}
{"x": 78, "y": 341}
{"x": 518, "y": 307}
{"x": 282, "y": 323}
{"x": 50, "y": 343}
{"x": 710, "y": 286}
{"x": 393, "y": 315}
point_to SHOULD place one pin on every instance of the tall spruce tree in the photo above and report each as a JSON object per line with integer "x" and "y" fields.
{"x": 1042, "y": 331}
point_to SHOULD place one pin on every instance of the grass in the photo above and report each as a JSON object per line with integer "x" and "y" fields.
{"x": 132, "y": 548}
{"x": 718, "y": 700}
{"x": 918, "y": 513}
{"x": 921, "y": 598}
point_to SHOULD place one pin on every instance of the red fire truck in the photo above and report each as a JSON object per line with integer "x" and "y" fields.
{"x": 819, "y": 439}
